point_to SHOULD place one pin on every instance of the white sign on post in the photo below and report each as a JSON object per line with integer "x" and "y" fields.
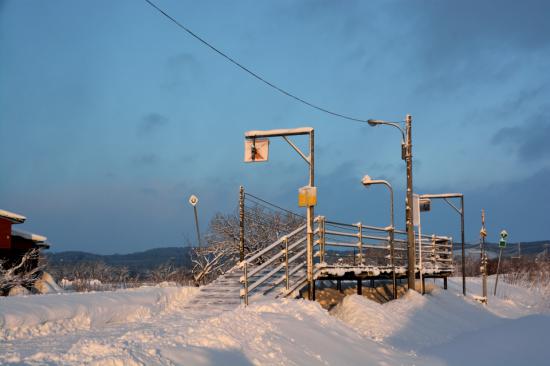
{"x": 193, "y": 200}
{"x": 416, "y": 209}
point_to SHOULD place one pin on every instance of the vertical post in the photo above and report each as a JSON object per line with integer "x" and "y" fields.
{"x": 359, "y": 286}
{"x": 360, "y": 244}
{"x": 445, "y": 282}
{"x": 241, "y": 223}
{"x": 392, "y": 233}
{"x": 420, "y": 264}
{"x": 408, "y": 206}
{"x": 286, "y": 263}
{"x": 246, "y": 283}
{"x": 309, "y": 218}
{"x": 322, "y": 238}
{"x": 462, "y": 239}
{"x": 483, "y": 257}
{"x": 392, "y": 262}
{"x": 498, "y": 268}
{"x": 197, "y": 225}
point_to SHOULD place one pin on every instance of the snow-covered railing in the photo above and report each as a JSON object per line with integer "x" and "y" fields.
{"x": 338, "y": 245}
{"x": 278, "y": 262}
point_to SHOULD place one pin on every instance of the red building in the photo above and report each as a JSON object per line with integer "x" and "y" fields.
{"x": 14, "y": 244}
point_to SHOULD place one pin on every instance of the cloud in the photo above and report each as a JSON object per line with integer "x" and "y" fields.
{"x": 468, "y": 44}
{"x": 146, "y": 159}
{"x": 151, "y": 123}
{"x": 530, "y": 141}
{"x": 179, "y": 68}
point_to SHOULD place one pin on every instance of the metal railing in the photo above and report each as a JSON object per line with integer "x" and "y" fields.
{"x": 285, "y": 257}
{"x": 337, "y": 245}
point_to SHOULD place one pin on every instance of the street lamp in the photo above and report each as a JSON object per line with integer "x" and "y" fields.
{"x": 368, "y": 181}
{"x": 406, "y": 154}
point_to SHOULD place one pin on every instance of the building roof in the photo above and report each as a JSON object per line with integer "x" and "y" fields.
{"x": 29, "y": 236}
{"x": 13, "y": 217}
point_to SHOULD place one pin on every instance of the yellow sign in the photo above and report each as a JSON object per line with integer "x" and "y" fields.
{"x": 307, "y": 196}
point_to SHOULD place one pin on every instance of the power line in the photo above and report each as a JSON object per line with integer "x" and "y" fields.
{"x": 252, "y": 73}
{"x": 273, "y": 205}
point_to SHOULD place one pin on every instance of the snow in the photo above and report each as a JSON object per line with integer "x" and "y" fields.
{"x": 29, "y": 236}
{"x": 156, "y": 326}
{"x": 12, "y": 216}
{"x": 39, "y": 315}
{"x": 279, "y": 132}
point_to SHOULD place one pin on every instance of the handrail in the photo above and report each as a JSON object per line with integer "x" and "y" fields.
{"x": 269, "y": 247}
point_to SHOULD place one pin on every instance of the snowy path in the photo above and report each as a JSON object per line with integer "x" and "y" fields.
{"x": 160, "y": 326}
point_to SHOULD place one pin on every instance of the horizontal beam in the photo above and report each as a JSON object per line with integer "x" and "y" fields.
{"x": 278, "y": 132}
{"x": 442, "y": 195}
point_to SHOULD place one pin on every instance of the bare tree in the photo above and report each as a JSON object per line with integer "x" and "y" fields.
{"x": 262, "y": 227}
{"x": 23, "y": 273}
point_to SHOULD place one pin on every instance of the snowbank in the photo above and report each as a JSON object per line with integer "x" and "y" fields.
{"x": 28, "y": 316}
{"x": 457, "y": 330}
{"x": 287, "y": 332}
{"x": 414, "y": 321}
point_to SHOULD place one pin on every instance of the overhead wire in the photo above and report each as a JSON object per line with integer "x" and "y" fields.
{"x": 272, "y": 204}
{"x": 249, "y": 71}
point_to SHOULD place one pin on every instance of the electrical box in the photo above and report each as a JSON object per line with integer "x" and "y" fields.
{"x": 307, "y": 196}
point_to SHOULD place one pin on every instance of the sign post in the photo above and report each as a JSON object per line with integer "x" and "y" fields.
{"x": 501, "y": 245}
{"x": 193, "y": 200}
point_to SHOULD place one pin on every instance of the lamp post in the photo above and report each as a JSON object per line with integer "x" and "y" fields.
{"x": 406, "y": 154}
{"x": 367, "y": 181}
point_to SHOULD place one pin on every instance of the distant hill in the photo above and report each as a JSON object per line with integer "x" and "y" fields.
{"x": 136, "y": 262}
{"x": 527, "y": 248}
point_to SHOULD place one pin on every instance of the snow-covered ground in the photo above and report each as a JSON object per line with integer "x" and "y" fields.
{"x": 156, "y": 326}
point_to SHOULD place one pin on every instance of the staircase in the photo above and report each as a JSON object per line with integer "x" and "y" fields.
{"x": 222, "y": 294}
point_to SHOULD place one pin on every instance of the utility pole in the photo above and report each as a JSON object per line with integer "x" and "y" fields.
{"x": 241, "y": 223}
{"x": 309, "y": 218}
{"x": 462, "y": 239}
{"x": 483, "y": 267}
{"x": 406, "y": 154}
{"x": 408, "y": 206}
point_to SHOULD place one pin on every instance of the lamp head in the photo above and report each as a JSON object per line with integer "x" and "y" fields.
{"x": 373, "y": 122}
{"x": 367, "y": 180}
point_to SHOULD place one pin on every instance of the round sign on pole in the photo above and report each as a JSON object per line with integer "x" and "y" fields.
{"x": 193, "y": 200}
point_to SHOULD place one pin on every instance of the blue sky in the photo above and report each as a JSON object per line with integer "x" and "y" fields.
{"x": 111, "y": 116}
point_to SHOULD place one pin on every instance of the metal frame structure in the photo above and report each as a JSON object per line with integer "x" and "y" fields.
{"x": 310, "y": 160}
{"x": 446, "y": 197}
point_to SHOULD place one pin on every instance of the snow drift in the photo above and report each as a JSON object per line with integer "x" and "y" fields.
{"x": 28, "y": 316}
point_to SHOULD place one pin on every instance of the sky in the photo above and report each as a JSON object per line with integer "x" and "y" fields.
{"x": 111, "y": 116}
